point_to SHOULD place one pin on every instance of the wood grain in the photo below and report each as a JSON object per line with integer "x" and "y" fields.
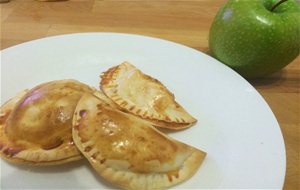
{"x": 186, "y": 22}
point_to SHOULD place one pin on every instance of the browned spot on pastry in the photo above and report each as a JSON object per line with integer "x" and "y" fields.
{"x": 174, "y": 173}
{"x": 133, "y": 152}
{"x": 102, "y": 161}
{"x": 82, "y": 113}
{"x": 4, "y": 117}
{"x": 131, "y": 108}
{"x": 167, "y": 118}
{"x": 124, "y": 103}
{"x": 94, "y": 156}
{"x": 142, "y": 139}
{"x": 83, "y": 140}
{"x": 138, "y": 111}
{"x": 87, "y": 149}
{"x": 12, "y": 151}
{"x": 106, "y": 76}
{"x": 53, "y": 145}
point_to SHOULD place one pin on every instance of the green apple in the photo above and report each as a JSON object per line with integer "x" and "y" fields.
{"x": 256, "y": 37}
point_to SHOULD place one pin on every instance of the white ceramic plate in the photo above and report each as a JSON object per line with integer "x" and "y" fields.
{"x": 235, "y": 125}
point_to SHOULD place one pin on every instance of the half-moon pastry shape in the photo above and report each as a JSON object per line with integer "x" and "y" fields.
{"x": 127, "y": 150}
{"x": 36, "y": 127}
{"x": 144, "y": 96}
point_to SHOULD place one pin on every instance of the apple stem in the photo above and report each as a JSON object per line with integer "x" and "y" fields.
{"x": 277, "y": 4}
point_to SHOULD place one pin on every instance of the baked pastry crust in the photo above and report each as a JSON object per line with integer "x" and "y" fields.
{"x": 127, "y": 150}
{"x": 36, "y": 125}
{"x": 144, "y": 96}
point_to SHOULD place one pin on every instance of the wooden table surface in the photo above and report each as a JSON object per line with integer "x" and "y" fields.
{"x": 186, "y": 22}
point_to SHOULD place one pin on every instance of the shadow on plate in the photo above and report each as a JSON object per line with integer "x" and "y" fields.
{"x": 170, "y": 131}
{"x": 66, "y": 168}
{"x": 48, "y": 169}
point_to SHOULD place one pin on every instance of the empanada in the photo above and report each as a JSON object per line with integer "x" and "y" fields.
{"x": 144, "y": 96}
{"x": 127, "y": 150}
{"x": 36, "y": 126}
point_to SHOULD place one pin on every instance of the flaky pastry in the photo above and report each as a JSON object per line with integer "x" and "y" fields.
{"x": 36, "y": 126}
{"x": 139, "y": 94}
{"x": 127, "y": 150}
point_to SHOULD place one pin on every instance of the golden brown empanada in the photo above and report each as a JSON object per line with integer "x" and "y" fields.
{"x": 36, "y": 127}
{"x": 144, "y": 96}
{"x": 127, "y": 150}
